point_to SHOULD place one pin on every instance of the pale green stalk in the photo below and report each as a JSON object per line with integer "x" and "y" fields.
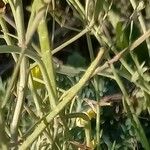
{"x": 32, "y": 27}
{"x": 47, "y": 56}
{"x": 57, "y": 49}
{"x": 38, "y": 18}
{"x": 38, "y": 10}
{"x": 20, "y": 100}
{"x": 23, "y": 74}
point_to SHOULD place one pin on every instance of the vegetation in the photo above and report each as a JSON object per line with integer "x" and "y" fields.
{"x": 75, "y": 74}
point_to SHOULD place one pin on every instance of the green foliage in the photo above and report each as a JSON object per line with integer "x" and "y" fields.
{"x": 76, "y": 60}
{"x": 102, "y": 105}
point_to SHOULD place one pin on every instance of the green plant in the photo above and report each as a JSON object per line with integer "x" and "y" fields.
{"x": 40, "y": 109}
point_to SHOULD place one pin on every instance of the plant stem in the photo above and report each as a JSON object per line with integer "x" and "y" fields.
{"x": 19, "y": 20}
{"x": 47, "y": 57}
{"x": 84, "y": 31}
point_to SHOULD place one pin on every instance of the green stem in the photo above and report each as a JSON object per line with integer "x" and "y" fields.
{"x": 20, "y": 100}
{"x": 84, "y": 31}
{"x": 19, "y": 20}
{"x": 47, "y": 56}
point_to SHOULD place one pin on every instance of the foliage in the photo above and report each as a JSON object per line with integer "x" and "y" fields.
{"x": 80, "y": 74}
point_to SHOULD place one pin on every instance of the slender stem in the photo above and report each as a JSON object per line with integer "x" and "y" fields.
{"x": 47, "y": 56}
{"x": 19, "y": 20}
{"x": 84, "y": 31}
{"x": 20, "y": 99}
